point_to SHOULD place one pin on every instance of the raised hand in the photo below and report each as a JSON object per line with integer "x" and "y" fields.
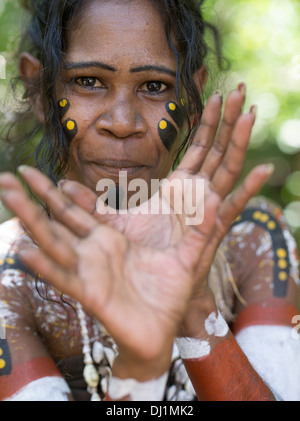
{"x": 140, "y": 270}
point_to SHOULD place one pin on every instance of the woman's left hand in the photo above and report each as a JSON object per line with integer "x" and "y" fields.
{"x": 141, "y": 270}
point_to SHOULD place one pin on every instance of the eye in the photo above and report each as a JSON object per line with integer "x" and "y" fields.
{"x": 89, "y": 82}
{"x": 154, "y": 87}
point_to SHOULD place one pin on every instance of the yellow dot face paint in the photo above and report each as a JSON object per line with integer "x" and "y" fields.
{"x": 70, "y": 125}
{"x": 63, "y": 106}
{"x": 163, "y": 124}
{"x": 63, "y": 103}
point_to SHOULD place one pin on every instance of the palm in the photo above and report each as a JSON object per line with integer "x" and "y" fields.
{"x": 133, "y": 281}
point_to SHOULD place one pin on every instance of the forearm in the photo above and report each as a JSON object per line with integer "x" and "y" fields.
{"x": 216, "y": 365}
{"x": 139, "y": 380}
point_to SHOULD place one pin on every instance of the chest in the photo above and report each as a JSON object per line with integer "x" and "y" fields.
{"x": 58, "y": 325}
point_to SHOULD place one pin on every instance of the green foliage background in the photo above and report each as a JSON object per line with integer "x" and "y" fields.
{"x": 262, "y": 41}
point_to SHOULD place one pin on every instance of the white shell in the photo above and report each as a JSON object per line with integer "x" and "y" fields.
{"x": 110, "y": 355}
{"x": 91, "y": 375}
{"x": 86, "y": 349}
{"x": 95, "y": 397}
{"x": 104, "y": 384}
{"x": 97, "y": 352}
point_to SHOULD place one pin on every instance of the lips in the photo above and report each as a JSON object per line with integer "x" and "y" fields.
{"x": 114, "y": 166}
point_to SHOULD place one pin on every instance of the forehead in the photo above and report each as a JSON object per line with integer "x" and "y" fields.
{"x": 129, "y": 29}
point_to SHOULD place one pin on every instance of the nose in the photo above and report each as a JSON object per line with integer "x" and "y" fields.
{"x": 121, "y": 120}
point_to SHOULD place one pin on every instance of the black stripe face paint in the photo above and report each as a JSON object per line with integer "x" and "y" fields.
{"x": 69, "y": 126}
{"x": 166, "y": 130}
{"x": 70, "y": 129}
{"x": 5, "y": 358}
{"x": 176, "y": 113}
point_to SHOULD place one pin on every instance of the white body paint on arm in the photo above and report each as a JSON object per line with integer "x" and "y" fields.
{"x": 275, "y": 354}
{"x": 44, "y": 389}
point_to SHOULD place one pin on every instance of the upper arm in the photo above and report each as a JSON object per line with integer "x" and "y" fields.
{"x": 265, "y": 264}
{"x": 27, "y": 372}
{"x": 264, "y": 258}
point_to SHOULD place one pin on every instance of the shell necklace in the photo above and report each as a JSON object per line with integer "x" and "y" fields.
{"x": 96, "y": 354}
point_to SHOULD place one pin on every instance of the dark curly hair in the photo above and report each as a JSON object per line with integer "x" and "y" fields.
{"x": 46, "y": 38}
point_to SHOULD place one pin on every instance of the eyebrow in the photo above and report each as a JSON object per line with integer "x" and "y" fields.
{"x": 88, "y": 64}
{"x": 158, "y": 69}
{"x": 98, "y": 64}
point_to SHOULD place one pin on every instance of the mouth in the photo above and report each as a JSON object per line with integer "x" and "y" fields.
{"x": 114, "y": 166}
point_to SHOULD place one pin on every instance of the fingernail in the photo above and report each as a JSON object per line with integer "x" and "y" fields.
{"x": 60, "y": 184}
{"x": 219, "y": 93}
{"x": 270, "y": 168}
{"x": 22, "y": 168}
{"x": 253, "y": 110}
{"x": 242, "y": 88}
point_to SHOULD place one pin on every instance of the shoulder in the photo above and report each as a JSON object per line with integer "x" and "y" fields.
{"x": 262, "y": 211}
{"x": 12, "y": 238}
{"x": 263, "y": 223}
{"x": 12, "y": 270}
{"x": 10, "y": 231}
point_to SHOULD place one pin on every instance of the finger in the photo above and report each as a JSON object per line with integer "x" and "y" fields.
{"x": 232, "y": 111}
{"x": 40, "y": 226}
{"x": 196, "y": 239}
{"x": 60, "y": 278}
{"x": 204, "y": 137}
{"x": 64, "y": 210}
{"x": 235, "y": 203}
{"x": 232, "y": 163}
{"x": 79, "y": 194}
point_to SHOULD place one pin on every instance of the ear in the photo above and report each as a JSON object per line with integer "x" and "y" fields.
{"x": 30, "y": 73}
{"x": 200, "y": 78}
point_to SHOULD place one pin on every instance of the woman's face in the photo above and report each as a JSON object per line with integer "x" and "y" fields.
{"x": 117, "y": 103}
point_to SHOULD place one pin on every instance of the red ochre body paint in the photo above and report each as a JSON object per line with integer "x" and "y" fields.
{"x": 273, "y": 311}
{"x": 226, "y": 375}
{"x": 25, "y": 373}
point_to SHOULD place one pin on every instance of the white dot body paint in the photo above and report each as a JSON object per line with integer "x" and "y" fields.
{"x": 216, "y": 325}
{"x": 192, "y": 348}
{"x": 152, "y": 390}
{"x": 45, "y": 389}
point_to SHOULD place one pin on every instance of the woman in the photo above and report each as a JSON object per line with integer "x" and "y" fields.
{"x": 117, "y": 88}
